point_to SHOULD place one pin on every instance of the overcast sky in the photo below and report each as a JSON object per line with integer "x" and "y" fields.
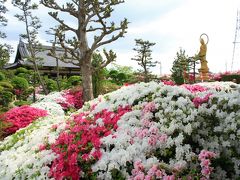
{"x": 171, "y": 24}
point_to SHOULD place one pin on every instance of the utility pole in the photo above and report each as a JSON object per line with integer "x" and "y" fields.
{"x": 236, "y": 38}
{"x": 160, "y": 67}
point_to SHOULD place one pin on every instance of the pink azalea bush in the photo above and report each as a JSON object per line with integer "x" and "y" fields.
{"x": 20, "y": 117}
{"x": 72, "y": 98}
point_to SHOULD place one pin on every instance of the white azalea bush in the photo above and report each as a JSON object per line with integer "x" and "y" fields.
{"x": 142, "y": 131}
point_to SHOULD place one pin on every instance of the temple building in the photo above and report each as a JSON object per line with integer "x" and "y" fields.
{"x": 47, "y": 65}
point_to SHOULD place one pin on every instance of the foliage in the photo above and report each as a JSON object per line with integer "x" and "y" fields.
{"x": 108, "y": 86}
{"x": 6, "y": 85}
{"x": 51, "y": 85}
{"x": 179, "y": 67}
{"x": 3, "y": 20}
{"x": 6, "y": 95}
{"x": 143, "y": 57}
{"x": 4, "y": 55}
{"x": 99, "y": 74}
{"x": 21, "y": 103}
{"x": 117, "y": 77}
{"x": 20, "y": 83}
{"x": 21, "y": 70}
{"x": 74, "y": 81}
{"x": 231, "y": 77}
{"x": 5, "y": 98}
{"x": 2, "y": 76}
{"x": 93, "y": 21}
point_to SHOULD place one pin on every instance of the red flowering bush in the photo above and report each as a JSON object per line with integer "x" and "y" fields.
{"x": 74, "y": 99}
{"x": 168, "y": 82}
{"x": 79, "y": 146}
{"x": 20, "y": 117}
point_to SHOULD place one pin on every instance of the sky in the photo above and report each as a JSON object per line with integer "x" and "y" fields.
{"x": 171, "y": 24}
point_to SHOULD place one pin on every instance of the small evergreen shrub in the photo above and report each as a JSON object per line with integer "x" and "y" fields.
{"x": 51, "y": 85}
{"x": 74, "y": 80}
{"x": 231, "y": 77}
{"x": 21, "y": 103}
{"x": 2, "y": 76}
{"x": 21, "y": 70}
{"x": 5, "y": 98}
{"x": 20, "y": 83}
{"x": 6, "y": 86}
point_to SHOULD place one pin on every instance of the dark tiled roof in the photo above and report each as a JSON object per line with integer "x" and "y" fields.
{"x": 47, "y": 61}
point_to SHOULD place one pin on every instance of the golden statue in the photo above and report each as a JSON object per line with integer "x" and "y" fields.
{"x": 202, "y": 57}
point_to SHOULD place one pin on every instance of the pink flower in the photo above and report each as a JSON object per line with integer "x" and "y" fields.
{"x": 149, "y": 107}
{"x": 169, "y": 83}
{"x": 139, "y": 176}
{"x": 199, "y": 101}
{"x": 204, "y": 157}
{"x": 163, "y": 138}
{"x": 152, "y": 140}
{"x": 159, "y": 174}
{"x": 172, "y": 177}
{"x": 42, "y": 147}
{"x": 194, "y": 88}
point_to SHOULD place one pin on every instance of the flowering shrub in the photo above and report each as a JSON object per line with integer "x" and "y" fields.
{"x": 82, "y": 140}
{"x": 142, "y": 131}
{"x": 71, "y": 98}
{"x": 20, "y": 117}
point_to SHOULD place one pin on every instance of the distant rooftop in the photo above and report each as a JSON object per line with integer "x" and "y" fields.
{"x": 47, "y": 61}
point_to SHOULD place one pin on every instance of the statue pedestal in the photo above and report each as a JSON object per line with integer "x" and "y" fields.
{"x": 203, "y": 74}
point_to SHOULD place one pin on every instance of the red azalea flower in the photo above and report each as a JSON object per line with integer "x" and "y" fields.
{"x": 20, "y": 117}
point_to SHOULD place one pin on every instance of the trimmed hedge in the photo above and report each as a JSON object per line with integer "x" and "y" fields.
{"x": 231, "y": 77}
{"x": 20, "y": 83}
{"x": 2, "y": 76}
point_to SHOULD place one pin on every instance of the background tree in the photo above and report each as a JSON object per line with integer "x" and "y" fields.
{"x": 53, "y": 32}
{"x": 92, "y": 20}
{"x": 179, "y": 67}
{"x": 3, "y": 20}
{"x": 32, "y": 24}
{"x": 99, "y": 75}
{"x": 143, "y": 57}
{"x": 4, "y": 48}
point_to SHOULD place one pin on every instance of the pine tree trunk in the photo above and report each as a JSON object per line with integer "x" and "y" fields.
{"x": 86, "y": 72}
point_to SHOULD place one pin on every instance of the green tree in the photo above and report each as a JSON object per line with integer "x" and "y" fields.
{"x": 4, "y": 48}
{"x": 143, "y": 57}
{"x": 99, "y": 74}
{"x": 32, "y": 25}
{"x": 3, "y": 20}
{"x": 179, "y": 66}
{"x": 4, "y": 55}
{"x": 92, "y": 20}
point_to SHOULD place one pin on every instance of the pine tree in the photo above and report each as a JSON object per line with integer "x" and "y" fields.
{"x": 32, "y": 25}
{"x": 143, "y": 57}
{"x": 5, "y": 49}
{"x": 3, "y": 20}
{"x": 92, "y": 20}
{"x": 179, "y": 67}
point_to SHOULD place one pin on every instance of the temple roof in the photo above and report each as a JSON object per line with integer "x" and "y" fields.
{"x": 23, "y": 53}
